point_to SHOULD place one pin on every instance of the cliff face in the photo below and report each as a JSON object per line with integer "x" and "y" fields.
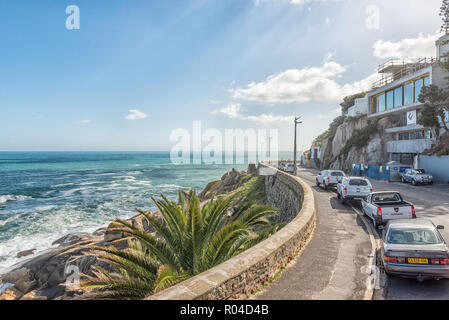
{"x": 356, "y": 141}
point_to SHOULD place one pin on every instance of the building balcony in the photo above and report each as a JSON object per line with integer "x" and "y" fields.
{"x": 413, "y": 127}
{"x": 409, "y": 146}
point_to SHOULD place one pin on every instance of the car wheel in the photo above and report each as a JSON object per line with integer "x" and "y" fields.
{"x": 414, "y": 182}
{"x": 325, "y": 186}
{"x": 403, "y": 180}
{"x": 317, "y": 183}
{"x": 338, "y": 196}
{"x": 375, "y": 223}
{"x": 431, "y": 182}
{"x": 343, "y": 200}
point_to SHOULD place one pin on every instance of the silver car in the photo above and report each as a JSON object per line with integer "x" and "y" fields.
{"x": 415, "y": 249}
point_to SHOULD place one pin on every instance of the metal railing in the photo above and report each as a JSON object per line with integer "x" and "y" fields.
{"x": 407, "y": 67}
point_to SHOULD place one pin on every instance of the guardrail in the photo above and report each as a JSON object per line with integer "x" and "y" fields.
{"x": 251, "y": 269}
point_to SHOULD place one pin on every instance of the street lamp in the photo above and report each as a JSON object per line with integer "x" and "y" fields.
{"x": 297, "y": 121}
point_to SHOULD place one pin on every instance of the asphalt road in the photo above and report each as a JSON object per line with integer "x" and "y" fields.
{"x": 340, "y": 249}
{"x": 333, "y": 264}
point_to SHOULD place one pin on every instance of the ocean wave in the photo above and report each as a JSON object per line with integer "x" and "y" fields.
{"x": 170, "y": 186}
{"x": 6, "y": 198}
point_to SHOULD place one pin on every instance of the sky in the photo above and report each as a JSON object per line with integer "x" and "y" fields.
{"x": 136, "y": 70}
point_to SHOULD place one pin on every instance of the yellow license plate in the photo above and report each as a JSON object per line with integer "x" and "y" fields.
{"x": 418, "y": 261}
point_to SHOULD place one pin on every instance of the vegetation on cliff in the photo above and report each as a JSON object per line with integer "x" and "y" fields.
{"x": 189, "y": 240}
{"x": 359, "y": 138}
{"x": 349, "y": 101}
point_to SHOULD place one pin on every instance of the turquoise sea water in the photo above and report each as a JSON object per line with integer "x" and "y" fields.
{"x": 46, "y": 195}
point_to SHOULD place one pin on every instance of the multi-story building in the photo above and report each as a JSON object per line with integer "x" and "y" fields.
{"x": 396, "y": 96}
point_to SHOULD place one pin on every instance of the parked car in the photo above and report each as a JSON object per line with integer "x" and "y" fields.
{"x": 415, "y": 249}
{"x": 353, "y": 188}
{"x": 382, "y": 207}
{"x": 416, "y": 176}
{"x": 329, "y": 178}
{"x": 281, "y": 166}
{"x": 290, "y": 168}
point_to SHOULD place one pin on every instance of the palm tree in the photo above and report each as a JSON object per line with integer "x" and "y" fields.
{"x": 190, "y": 239}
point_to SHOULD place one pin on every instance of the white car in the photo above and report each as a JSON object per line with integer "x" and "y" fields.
{"x": 329, "y": 178}
{"x": 382, "y": 207}
{"x": 290, "y": 168}
{"x": 354, "y": 188}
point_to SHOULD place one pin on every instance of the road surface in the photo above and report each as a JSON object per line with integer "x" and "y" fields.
{"x": 333, "y": 264}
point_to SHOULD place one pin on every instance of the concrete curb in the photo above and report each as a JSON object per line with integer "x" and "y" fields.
{"x": 249, "y": 270}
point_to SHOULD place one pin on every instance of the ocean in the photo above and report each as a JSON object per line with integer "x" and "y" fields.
{"x": 46, "y": 195}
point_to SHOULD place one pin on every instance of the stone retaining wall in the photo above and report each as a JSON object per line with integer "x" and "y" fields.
{"x": 249, "y": 270}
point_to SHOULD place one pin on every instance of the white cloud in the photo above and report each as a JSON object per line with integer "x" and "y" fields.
{"x": 419, "y": 47}
{"x": 303, "y": 85}
{"x": 232, "y": 110}
{"x": 135, "y": 115}
{"x": 269, "y": 118}
{"x": 86, "y": 121}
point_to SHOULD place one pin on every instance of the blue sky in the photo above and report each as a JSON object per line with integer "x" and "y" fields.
{"x": 229, "y": 63}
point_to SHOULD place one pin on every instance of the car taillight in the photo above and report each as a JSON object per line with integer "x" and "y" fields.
{"x": 379, "y": 212}
{"x": 442, "y": 261}
{"x": 435, "y": 261}
{"x": 394, "y": 259}
{"x": 328, "y": 179}
{"x": 413, "y": 212}
{"x": 371, "y": 190}
{"x": 345, "y": 190}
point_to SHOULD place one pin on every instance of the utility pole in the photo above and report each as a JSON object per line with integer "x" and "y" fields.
{"x": 297, "y": 121}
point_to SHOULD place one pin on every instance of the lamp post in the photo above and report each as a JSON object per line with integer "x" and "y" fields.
{"x": 297, "y": 121}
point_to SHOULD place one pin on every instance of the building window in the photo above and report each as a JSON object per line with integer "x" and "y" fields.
{"x": 418, "y": 87}
{"x": 390, "y": 100}
{"x": 408, "y": 93}
{"x": 381, "y": 103}
{"x": 427, "y": 81}
{"x": 398, "y": 97}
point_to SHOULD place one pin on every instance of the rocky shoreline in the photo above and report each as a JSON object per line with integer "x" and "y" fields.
{"x": 44, "y": 277}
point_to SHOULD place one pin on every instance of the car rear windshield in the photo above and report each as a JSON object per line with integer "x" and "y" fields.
{"x": 419, "y": 171}
{"x": 337, "y": 174}
{"x": 386, "y": 197}
{"x": 358, "y": 182}
{"x": 413, "y": 236}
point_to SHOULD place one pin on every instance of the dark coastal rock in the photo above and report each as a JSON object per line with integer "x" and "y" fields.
{"x": 228, "y": 182}
{"x": 232, "y": 177}
{"x": 111, "y": 234}
{"x": 11, "y": 293}
{"x": 25, "y": 253}
{"x": 73, "y": 238}
{"x": 99, "y": 232}
{"x": 252, "y": 169}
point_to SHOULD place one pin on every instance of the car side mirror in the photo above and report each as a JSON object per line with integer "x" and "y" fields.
{"x": 440, "y": 227}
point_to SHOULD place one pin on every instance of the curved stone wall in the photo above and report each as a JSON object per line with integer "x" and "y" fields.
{"x": 249, "y": 270}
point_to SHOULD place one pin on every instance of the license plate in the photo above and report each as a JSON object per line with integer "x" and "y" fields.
{"x": 418, "y": 261}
